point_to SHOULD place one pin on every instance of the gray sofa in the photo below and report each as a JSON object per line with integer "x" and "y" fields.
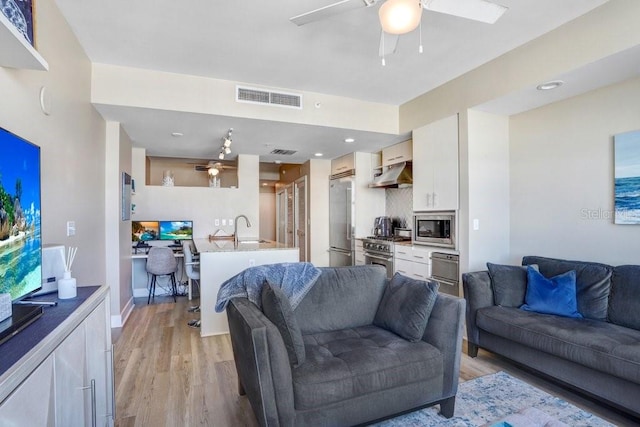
{"x": 354, "y": 372}
{"x": 598, "y": 354}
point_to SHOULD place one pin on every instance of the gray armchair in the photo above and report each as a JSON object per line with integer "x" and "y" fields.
{"x": 354, "y": 372}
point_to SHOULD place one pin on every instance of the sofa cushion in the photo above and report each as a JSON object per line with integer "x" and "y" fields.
{"x": 625, "y": 296}
{"x": 353, "y": 362}
{"x": 406, "y": 306}
{"x": 342, "y": 297}
{"x": 509, "y": 284}
{"x": 555, "y": 295}
{"x": 593, "y": 282}
{"x": 277, "y": 308}
{"x": 602, "y": 346}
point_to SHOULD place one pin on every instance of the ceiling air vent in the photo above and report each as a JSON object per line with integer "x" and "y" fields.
{"x": 261, "y": 96}
{"x": 283, "y": 152}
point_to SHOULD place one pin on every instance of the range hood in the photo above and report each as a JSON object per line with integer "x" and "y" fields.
{"x": 395, "y": 176}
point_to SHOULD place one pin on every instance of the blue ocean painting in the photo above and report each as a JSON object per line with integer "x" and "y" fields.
{"x": 627, "y": 178}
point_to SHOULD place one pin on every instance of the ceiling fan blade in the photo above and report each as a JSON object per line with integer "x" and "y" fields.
{"x": 330, "y": 10}
{"x": 476, "y": 10}
{"x": 388, "y": 43}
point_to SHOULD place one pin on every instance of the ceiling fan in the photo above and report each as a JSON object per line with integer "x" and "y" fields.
{"x": 402, "y": 16}
{"x": 213, "y": 168}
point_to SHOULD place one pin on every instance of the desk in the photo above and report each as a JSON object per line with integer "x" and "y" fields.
{"x": 139, "y": 277}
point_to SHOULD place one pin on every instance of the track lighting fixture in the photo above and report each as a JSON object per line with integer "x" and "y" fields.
{"x": 226, "y": 145}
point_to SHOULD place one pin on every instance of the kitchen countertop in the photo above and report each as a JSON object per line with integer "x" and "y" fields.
{"x": 427, "y": 247}
{"x": 245, "y": 245}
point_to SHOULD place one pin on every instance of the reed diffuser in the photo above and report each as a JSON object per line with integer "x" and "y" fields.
{"x": 67, "y": 285}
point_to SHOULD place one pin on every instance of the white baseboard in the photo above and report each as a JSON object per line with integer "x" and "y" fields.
{"x": 119, "y": 320}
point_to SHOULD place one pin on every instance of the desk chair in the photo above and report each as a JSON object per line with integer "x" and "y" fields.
{"x": 162, "y": 262}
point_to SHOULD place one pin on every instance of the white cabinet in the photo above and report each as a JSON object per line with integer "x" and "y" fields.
{"x": 82, "y": 374}
{"x": 32, "y": 403}
{"x": 343, "y": 164}
{"x": 435, "y": 170}
{"x": 402, "y": 152}
{"x": 359, "y": 253}
{"x": 412, "y": 261}
{"x": 99, "y": 358}
{"x": 72, "y": 383}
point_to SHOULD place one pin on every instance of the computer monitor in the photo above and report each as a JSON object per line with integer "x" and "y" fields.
{"x": 142, "y": 231}
{"x": 176, "y": 230}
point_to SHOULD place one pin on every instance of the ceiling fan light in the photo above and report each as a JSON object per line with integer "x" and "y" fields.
{"x": 400, "y": 16}
{"x": 213, "y": 171}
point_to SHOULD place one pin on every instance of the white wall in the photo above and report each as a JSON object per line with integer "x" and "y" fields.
{"x": 318, "y": 198}
{"x": 118, "y": 232}
{"x": 72, "y": 139}
{"x": 136, "y": 87}
{"x": 561, "y": 167}
{"x": 267, "y": 213}
{"x": 200, "y": 204}
{"x": 488, "y": 190}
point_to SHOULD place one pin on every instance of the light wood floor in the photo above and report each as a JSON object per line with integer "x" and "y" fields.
{"x": 167, "y": 375}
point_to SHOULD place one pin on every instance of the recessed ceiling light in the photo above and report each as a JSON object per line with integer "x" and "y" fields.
{"x": 177, "y": 134}
{"x": 550, "y": 85}
{"x": 318, "y": 154}
{"x": 349, "y": 140}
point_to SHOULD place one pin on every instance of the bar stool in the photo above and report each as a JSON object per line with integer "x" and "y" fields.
{"x": 191, "y": 266}
{"x": 162, "y": 262}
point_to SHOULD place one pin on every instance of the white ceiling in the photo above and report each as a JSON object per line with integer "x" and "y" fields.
{"x": 254, "y": 42}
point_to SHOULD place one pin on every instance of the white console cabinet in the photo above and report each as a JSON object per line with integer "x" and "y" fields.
{"x": 71, "y": 383}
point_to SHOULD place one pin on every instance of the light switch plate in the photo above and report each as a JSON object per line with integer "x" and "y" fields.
{"x": 217, "y": 222}
{"x": 71, "y": 228}
{"x": 476, "y": 224}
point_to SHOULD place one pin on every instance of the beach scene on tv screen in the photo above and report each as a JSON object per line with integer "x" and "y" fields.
{"x": 20, "y": 257}
{"x": 176, "y": 230}
{"x": 144, "y": 231}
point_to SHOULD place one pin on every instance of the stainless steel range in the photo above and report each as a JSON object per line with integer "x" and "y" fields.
{"x": 379, "y": 250}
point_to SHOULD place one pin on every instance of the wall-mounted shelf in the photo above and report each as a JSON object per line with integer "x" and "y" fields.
{"x": 15, "y": 50}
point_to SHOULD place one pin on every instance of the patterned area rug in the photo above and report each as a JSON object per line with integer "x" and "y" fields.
{"x": 488, "y": 399}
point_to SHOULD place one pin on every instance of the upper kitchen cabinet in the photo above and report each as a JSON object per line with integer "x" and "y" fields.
{"x": 343, "y": 164}
{"x": 402, "y": 152}
{"x": 435, "y": 171}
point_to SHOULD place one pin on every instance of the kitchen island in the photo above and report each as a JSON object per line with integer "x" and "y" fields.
{"x": 222, "y": 259}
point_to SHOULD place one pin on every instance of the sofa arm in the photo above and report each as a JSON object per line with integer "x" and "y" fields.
{"x": 478, "y": 293}
{"x": 444, "y": 331}
{"x": 262, "y": 363}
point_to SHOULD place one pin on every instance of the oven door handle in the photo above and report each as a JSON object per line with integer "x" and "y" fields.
{"x": 381, "y": 258}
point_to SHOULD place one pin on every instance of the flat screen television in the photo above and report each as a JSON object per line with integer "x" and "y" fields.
{"x": 176, "y": 230}
{"x": 20, "y": 232}
{"x": 143, "y": 231}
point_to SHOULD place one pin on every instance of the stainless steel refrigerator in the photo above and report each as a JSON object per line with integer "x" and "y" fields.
{"x": 341, "y": 222}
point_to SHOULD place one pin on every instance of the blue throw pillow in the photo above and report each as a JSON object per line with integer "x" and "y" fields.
{"x": 556, "y": 295}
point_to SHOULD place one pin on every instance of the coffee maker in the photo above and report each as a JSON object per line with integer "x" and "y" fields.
{"x": 382, "y": 227}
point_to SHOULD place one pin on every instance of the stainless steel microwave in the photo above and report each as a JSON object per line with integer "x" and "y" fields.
{"x": 435, "y": 229}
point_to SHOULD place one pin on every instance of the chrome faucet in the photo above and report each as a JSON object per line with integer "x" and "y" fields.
{"x": 235, "y": 228}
